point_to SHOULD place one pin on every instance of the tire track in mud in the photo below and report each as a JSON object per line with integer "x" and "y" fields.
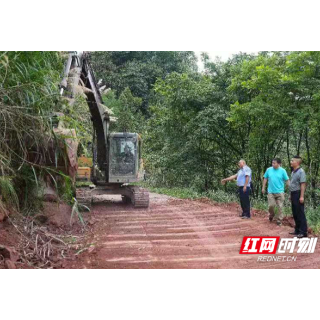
{"x": 174, "y": 233}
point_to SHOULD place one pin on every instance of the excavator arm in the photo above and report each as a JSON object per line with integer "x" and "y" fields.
{"x": 78, "y": 74}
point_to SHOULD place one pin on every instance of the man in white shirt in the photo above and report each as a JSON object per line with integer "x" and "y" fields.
{"x": 243, "y": 178}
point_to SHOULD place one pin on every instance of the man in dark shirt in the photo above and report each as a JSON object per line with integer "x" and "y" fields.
{"x": 297, "y": 189}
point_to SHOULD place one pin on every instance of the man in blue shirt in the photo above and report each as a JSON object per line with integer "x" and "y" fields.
{"x": 244, "y": 183}
{"x": 276, "y": 176}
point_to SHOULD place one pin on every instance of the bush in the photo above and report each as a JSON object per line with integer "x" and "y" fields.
{"x": 29, "y": 93}
{"x": 313, "y": 218}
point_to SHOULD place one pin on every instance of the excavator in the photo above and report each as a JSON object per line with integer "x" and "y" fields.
{"x": 116, "y": 156}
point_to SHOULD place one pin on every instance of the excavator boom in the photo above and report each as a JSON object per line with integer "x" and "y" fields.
{"x": 78, "y": 73}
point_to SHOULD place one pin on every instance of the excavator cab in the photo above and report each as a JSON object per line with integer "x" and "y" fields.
{"x": 125, "y": 164}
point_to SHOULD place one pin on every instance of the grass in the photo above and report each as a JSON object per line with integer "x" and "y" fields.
{"x": 8, "y": 193}
{"x": 189, "y": 193}
{"x": 221, "y": 196}
{"x": 76, "y": 208}
{"x": 83, "y": 184}
{"x": 182, "y": 193}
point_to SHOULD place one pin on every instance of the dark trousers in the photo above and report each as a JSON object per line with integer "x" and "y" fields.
{"x": 245, "y": 201}
{"x": 298, "y": 213}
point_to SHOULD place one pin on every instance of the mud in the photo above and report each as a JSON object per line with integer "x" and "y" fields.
{"x": 174, "y": 233}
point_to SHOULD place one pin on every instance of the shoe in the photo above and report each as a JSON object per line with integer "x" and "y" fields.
{"x": 294, "y": 233}
{"x": 245, "y": 217}
{"x": 301, "y": 235}
{"x": 279, "y": 223}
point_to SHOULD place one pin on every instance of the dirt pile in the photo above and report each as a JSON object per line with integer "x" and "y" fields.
{"x": 46, "y": 240}
{"x": 10, "y": 257}
{"x": 2, "y": 216}
{"x": 9, "y": 239}
{"x": 59, "y": 216}
{"x": 4, "y": 213}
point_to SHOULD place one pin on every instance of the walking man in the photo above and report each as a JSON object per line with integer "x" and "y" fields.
{"x": 276, "y": 176}
{"x": 243, "y": 178}
{"x": 297, "y": 189}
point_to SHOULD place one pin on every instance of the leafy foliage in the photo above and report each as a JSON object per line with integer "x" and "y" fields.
{"x": 28, "y": 95}
{"x": 127, "y": 111}
{"x": 139, "y": 70}
{"x": 29, "y": 149}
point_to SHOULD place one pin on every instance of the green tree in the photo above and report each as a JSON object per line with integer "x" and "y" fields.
{"x": 139, "y": 70}
{"x": 127, "y": 111}
{"x": 281, "y": 114}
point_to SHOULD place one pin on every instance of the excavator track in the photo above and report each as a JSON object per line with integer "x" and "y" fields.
{"x": 140, "y": 197}
{"x": 84, "y": 197}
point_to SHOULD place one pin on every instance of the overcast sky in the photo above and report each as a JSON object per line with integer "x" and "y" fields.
{"x": 223, "y": 55}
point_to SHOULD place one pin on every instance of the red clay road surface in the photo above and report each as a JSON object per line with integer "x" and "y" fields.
{"x": 175, "y": 233}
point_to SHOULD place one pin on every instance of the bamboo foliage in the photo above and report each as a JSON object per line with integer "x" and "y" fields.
{"x": 28, "y": 95}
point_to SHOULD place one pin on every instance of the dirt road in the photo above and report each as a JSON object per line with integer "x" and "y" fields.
{"x": 175, "y": 233}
